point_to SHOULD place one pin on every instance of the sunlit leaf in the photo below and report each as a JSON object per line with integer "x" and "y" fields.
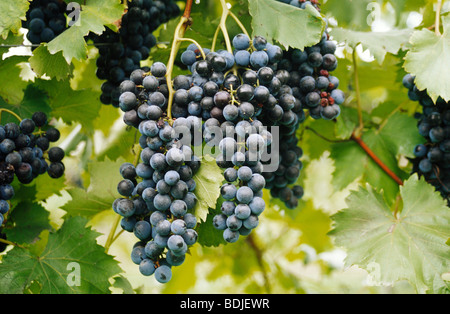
{"x": 406, "y": 243}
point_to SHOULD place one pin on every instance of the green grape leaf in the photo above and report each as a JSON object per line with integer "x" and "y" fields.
{"x": 93, "y": 16}
{"x": 377, "y": 84}
{"x": 347, "y": 123}
{"x": 86, "y": 204}
{"x": 428, "y": 60}
{"x": 34, "y": 99}
{"x": 378, "y": 43}
{"x": 42, "y": 62}
{"x": 352, "y": 14}
{"x": 397, "y": 136}
{"x": 122, "y": 145}
{"x": 70, "y": 262}
{"x": 407, "y": 243}
{"x": 207, "y": 234}
{"x": 70, "y": 105}
{"x": 11, "y": 83}
{"x": 120, "y": 282}
{"x": 208, "y": 181}
{"x": 311, "y": 142}
{"x": 11, "y": 39}
{"x": 283, "y": 23}
{"x": 26, "y": 221}
{"x": 47, "y": 186}
{"x": 102, "y": 190}
{"x": 84, "y": 73}
{"x": 12, "y": 12}
{"x": 400, "y": 134}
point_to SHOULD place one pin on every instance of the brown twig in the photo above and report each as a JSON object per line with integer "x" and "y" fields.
{"x": 377, "y": 160}
{"x": 188, "y": 9}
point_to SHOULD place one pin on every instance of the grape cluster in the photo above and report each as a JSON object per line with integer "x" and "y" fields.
{"x": 432, "y": 159}
{"x": 311, "y": 79}
{"x": 121, "y": 53}
{"x": 45, "y": 20}
{"x": 310, "y": 73}
{"x": 230, "y": 109}
{"x": 256, "y": 96}
{"x": 232, "y": 97}
{"x": 25, "y": 153}
{"x": 157, "y": 195}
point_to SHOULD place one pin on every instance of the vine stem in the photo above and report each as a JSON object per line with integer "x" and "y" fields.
{"x": 197, "y": 44}
{"x": 180, "y": 30}
{"x": 11, "y": 113}
{"x": 239, "y": 23}
{"x": 375, "y": 158}
{"x": 111, "y": 237}
{"x": 11, "y": 243}
{"x": 366, "y": 149}
{"x": 356, "y": 136}
{"x": 216, "y": 34}
{"x": 223, "y": 26}
{"x": 438, "y": 17}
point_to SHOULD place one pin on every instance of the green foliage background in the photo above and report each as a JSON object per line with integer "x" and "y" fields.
{"x": 355, "y": 231}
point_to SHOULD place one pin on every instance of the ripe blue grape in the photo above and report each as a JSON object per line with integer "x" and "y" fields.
{"x": 431, "y": 156}
{"x": 163, "y": 274}
{"x": 147, "y": 267}
{"x": 242, "y": 58}
{"x": 241, "y": 42}
{"x": 142, "y": 230}
{"x": 230, "y": 236}
{"x": 259, "y": 59}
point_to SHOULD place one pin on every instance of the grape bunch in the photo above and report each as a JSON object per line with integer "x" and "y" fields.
{"x": 25, "y": 154}
{"x": 121, "y": 53}
{"x": 432, "y": 159}
{"x": 310, "y": 73}
{"x": 157, "y": 194}
{"x": 45, "y": 19}
{"x": 312, "y": 81}
{"x": 232, "y": 97}
{"x": 231, "y": 104}
{"x": 246, "y": 101}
